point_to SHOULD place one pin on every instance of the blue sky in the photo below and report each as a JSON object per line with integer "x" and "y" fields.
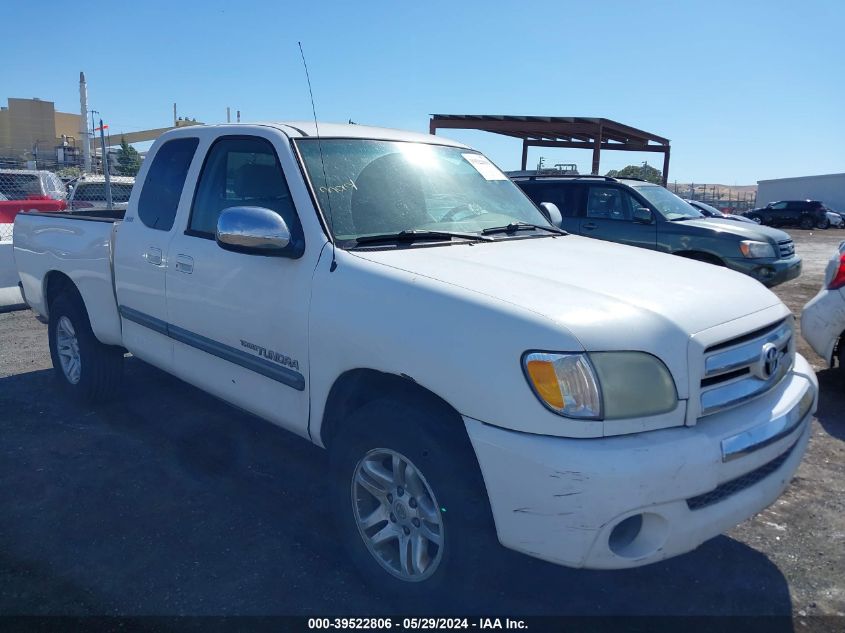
{"x": 745, "y": 90}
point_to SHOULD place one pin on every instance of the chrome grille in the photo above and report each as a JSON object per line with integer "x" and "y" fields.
{"x": 786, "y": 248}
{"x": 737, "y": 370}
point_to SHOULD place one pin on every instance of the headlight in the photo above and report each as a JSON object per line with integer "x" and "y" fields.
{"x": 756, "y": 250}
{"x": 602, "y": 385}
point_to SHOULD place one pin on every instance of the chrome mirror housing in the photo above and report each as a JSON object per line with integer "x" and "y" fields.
{"x": 252, "y": 230}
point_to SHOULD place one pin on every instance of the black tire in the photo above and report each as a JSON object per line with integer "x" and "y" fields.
{"x": 823, "y": 224}
{"x": 438, "y": 447}
{"x": 756, "y": 218}
{"x": 806, "y": 222}
{"x": 100, "y": 366}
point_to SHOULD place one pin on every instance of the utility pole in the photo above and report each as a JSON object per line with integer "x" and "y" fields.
{"x": 86, "y": 140}
{"x": 105, "y": 166}
{"x": 228, "y": 115}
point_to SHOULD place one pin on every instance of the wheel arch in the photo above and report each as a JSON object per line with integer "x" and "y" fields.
{"x": 701, "y": 256}
{"x": 56, "y": 282}
{"x": 358, "y": 387}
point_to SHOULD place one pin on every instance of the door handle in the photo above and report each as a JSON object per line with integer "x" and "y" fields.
{"x": 153, "y": 256}
{"x": 185, "y": 264}
{"x": 590, "y": 226}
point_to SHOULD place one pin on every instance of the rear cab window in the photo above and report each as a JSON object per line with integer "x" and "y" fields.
{"x": 164, "y": 182}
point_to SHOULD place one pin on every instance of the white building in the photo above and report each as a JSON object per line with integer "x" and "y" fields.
{"x": 827, "y": 188}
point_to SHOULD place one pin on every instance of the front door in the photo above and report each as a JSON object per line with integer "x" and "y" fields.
{"x": 239, "y": 321}
{"x": 609, "y": 216}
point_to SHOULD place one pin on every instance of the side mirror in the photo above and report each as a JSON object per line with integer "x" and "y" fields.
{"x": 643, "y": 215}
{"x": 552, "y": 213}
{"x": 252, "y": 230}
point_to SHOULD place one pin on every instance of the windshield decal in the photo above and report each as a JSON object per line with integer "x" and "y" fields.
{"x": 484, "y": 167}
{"x": 347, "y": 186}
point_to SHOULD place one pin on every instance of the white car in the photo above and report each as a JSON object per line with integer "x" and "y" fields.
{"x": 89, "y": 192}
{"x": 472, "y": 369}
{"x": 823, "y": 318}
{"x": 835, "y": 219}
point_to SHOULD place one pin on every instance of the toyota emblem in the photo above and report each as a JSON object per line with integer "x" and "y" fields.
{"x": 769, "y": 360}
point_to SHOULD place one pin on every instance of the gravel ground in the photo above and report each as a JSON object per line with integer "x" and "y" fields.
{"x": 168, "y": 501}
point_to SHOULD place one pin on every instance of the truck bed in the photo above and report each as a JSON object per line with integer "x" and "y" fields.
{"x": 77, "y": 245}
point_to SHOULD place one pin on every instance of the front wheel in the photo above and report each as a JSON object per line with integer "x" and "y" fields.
{"x": 756, "y": 218}
{"x": 87, "y": 370}
{"x": 409, "y": 501}
{"x": 824, "y": 224}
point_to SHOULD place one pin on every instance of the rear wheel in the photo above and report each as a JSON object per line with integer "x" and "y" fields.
{"x": 806, "y": 222}
{"x": 409, "y": 501}
{"x": 87, "y": 370}
{"x": 824, "y": 223}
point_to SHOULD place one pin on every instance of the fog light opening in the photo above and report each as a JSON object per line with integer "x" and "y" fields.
{"x": 625, "y": 533}
{"x": 638, "y": 536}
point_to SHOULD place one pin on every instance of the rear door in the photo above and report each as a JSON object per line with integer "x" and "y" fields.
{"x": 568, "y": 197}
{"x": 609, "y": 216}
{"x": 239, "y": 321}
{"x": 779, "y": 215}
{"x": 140, "y": 257}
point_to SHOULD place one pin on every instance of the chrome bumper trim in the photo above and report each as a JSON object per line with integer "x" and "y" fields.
{"x": 769, "y": 432}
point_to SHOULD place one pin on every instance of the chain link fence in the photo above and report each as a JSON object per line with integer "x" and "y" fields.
{"x": 57, "y": 191}
{"x": 723, "y": 198}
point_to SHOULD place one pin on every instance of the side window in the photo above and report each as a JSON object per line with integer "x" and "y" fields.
{"x": 165, "y": 180}
{"x": 241, "y": 171}
{"x": 565, "y": 197}
{"x": 610, "y": 203}
{"x": 780, "y": 206}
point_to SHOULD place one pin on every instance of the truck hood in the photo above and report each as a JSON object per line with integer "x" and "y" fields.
{"x": 742, "y": 230}
{"x": 607, "y": 295}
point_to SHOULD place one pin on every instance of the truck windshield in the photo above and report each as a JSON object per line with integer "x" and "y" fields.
{"x": 375, "y": 187}
{"x": 667, "y": 203}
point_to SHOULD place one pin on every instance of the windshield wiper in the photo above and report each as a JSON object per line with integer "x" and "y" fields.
{"x": 513, "y": 227}
{"x": 419, "y": 235}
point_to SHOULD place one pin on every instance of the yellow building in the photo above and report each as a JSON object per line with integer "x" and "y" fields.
{"x": 32, "y": 126}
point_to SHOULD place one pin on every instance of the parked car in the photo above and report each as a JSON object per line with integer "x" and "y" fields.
{"x": 823, "y": 318}
{"x": 89, "y": 192}
{"x": 807, "y": 214}
{"x": 475, "y": 373}
{"x": 835, "y": 219}
{"x": 31, "y": 184}
{"x": 640, "y": 213}
{"x": 712, "y": 212}
{"x": 29, "y": 190}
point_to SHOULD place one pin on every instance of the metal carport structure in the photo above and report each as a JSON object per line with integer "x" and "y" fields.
{"x": 595, "y": 134}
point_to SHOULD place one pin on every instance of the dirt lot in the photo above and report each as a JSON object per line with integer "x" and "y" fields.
{"x": 167, "y": 501}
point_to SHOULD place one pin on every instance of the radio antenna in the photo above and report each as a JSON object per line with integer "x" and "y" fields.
{"x": 322, "y": 161}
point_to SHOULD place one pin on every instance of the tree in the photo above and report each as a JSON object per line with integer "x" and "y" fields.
{"x": 128, "y": 159}
{"x": 644, "y": 171}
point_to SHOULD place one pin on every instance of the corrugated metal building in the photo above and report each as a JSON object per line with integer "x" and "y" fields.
{"x": 828, "y": 188}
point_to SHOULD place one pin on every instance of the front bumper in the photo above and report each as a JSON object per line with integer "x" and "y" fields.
{"x": 770, "y": 272}
{"x": 567, "y": 500}
{"x": 823, "y": 322}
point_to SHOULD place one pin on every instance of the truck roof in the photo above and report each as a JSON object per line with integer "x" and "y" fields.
{"x": 305, "y": 129}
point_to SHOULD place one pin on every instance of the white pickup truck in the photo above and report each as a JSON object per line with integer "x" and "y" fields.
{"x": 471, "y": 369}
